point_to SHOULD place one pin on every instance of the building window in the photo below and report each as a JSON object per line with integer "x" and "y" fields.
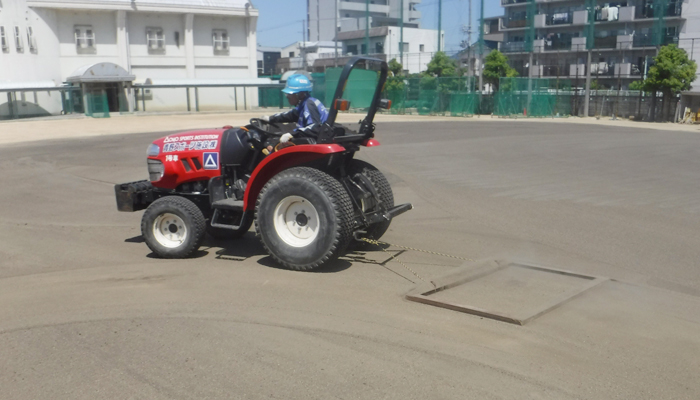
{"x": 352, "y": 49}
{"x": 3, "y": 40}
{"x": 291, "y": 54}
{"x": 19, "y": 44}
{"x": 84, "y": 39}
{"x": 31, "y": 40}
{"x": 379, "y": 48}
{"x": 405, "y": 47}
{"x": 421, "y": 48}
{"x": 220, "y": 41}
{"x": 155, "y": 40}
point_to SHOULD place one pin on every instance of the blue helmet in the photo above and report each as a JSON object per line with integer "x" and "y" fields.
{"x": 297, "y": 83}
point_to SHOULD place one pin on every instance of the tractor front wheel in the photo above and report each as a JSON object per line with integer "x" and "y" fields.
{"x": 304, "y": 218}
{"x": 173, "y": 227}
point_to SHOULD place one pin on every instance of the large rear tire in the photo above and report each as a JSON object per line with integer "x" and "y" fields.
{"x": 381, "y": 185}
{"x": 173, "y": 227}
{"x": 304, "y": 218}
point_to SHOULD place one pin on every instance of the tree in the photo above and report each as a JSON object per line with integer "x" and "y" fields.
{"x": 441, "y": 65}
{"x": 496, "y": 67}
{"x": 671, "y": 73}
{"x": 395, "y": 82}
{"x": 636, "y": 85}
{"x": 395, "y": 67}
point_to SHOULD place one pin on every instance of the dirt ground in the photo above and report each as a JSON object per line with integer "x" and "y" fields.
{"x": 88, "y": 312}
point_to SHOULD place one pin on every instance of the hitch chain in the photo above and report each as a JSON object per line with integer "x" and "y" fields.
{"x": 378, "y": 243}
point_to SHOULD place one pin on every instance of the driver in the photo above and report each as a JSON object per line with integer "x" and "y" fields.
{"x": 307, "y": 111}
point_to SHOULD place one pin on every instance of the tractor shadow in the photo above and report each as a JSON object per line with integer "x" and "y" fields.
{"x": 249, "y": 246}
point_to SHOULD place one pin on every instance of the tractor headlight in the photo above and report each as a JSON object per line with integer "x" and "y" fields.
{"x": 153, "y": 150}
{"x": 155, "y": 170}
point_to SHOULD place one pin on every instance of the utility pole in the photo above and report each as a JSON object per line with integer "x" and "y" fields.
{"x": 439, "y": 23}
{"x": 469, "y": 41}
{"x": 401, "y": 35}
{"x": 481, "y": 51}
{"x": 366, "y": 26}
{"x": 318, "y": 20}
{"x": 590, "y": 43}
{"x": 335, "y": 34}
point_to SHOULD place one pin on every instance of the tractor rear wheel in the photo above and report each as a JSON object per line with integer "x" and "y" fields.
{"x": 173, "y": 227}
{"x": 304, "y": 218}
{"x": 381, "y": 185}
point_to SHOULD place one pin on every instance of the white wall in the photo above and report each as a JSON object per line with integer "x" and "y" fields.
{"x": 105, "y": 28}
{"x": 57, "y": 56}
{"x": 691, "y": 29}
{"x": 26, "y": 65}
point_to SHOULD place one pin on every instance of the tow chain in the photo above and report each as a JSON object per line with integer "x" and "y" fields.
{"x": 379, "y": 243}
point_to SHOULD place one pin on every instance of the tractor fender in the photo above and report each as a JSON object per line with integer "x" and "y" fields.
{"x": 280, "y": 160}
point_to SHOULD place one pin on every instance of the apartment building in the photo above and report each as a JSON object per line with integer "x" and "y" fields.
{"x": 624, "y": 38}
{"x": 106, "y": 45}
{"x": 325, "y": 17}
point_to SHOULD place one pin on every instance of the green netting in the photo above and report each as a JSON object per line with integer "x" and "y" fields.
{"x": 360, "y": 87}
{"x": 270, "y": 97}
{"x": 533, "y": 97}
{"x": 97, "y": 106}
{"x": 319, "y": 91}
{"x": 463, "y": 103}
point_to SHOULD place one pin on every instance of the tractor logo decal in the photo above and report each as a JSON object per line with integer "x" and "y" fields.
{"x": 211, "y": 160}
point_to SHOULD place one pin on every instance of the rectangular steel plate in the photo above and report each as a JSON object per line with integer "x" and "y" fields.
{"x": 504, "y": 290}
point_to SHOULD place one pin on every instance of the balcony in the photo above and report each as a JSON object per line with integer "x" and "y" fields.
{"x": 608, "y": 42}
{"x": 513, "y": 47}
{"x": 648, "y": 41}
{"x": 673, "y": 10}
{"x": 515, "y": 23}
{"x": 557, "y": 45}
{"x": 560, "y": 18}
{"x": 346, "y": 5}
{"x": 512, "y": 2}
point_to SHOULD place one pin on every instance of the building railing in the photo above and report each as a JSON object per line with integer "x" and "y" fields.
{"x": 509, "y": 2}
{"x": 674, "y": 9}
{"x": 648, "y": 41}
{"x": 513, "y": 47}
{"x": 608, "y": 42}
{"x": 553, "y": 45}
{"x": 560, "y": 18}
{"x": 514, "y": 23}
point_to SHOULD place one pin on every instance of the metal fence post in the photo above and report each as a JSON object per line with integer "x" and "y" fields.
{"x": 196, "y": 99}
{"x": 235, "y": 97}
{"x": 245, "y": 99}
{"x": 143, "y": 99}
{"x": 187, "y": 90}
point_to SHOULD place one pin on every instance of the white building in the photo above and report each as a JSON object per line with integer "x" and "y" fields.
{"x": 323, "y": 15}
{"x": 419, "y": 45}
{"x": 50, "y": 42}
{"x": 303, "y": 55}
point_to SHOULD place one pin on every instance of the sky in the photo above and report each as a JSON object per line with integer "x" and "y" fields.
{"x": 280, "y": 21}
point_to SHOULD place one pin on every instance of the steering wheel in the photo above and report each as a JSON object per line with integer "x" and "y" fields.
{"x": 260, "y": 124}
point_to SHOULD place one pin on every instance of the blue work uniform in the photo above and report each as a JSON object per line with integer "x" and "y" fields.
{"x": 307, "y": 114}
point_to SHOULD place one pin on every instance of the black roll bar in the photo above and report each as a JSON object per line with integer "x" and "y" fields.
{"x": 366, "y": 125}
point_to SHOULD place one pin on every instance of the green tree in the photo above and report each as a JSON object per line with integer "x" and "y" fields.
{"x": 496, "y": 67}
{"x": 395, "y": 82}
{"x": 395, "y": 67}
{"x": 441, "y": 65}
{"x": 671, "y": 73}
{"x": 636, "y": 85}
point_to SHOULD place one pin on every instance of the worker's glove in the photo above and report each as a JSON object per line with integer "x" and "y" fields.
{"x": 265, "y": 118}
{"x": 285, "y": 138}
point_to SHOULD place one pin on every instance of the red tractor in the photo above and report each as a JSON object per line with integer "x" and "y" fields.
{"x": 308, "y": 200}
